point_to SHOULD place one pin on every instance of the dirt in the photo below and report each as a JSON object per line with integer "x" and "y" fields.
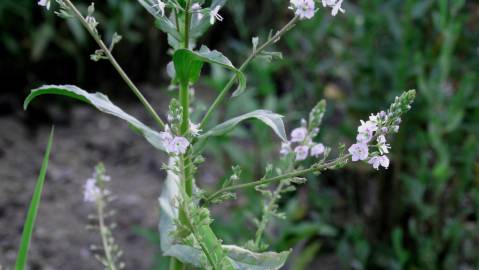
{"x": 61, "y": 239}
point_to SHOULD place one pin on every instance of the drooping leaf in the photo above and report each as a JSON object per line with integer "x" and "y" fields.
{"x": 271, "y": 119}
{"x": 102, "y": 103}
{"x": 33, "y": 209}
{"x": 188, "y": 65}
{"x": 240, "y": 258}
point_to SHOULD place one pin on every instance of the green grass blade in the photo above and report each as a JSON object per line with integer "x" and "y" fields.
{"x": 32, "y": 210}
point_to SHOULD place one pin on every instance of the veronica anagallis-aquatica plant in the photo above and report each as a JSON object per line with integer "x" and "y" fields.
{"x": 184, "y": 226}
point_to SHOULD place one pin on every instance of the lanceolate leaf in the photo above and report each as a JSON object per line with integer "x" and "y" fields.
{"x": 188, "y": 65}
{"x": 240, "y": 258}
{"x": 32, "y": 210}
{"x": 102, "y": 103}
{"x": 271, "y": 119}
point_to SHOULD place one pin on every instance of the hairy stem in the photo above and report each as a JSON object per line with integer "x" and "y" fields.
{"x": 104, "y": 231}
{"x": 117, "y": 66}
{"x": 248, "y": 60}
{"x": 298, "y": 173}
{"x": 267, "y": 212}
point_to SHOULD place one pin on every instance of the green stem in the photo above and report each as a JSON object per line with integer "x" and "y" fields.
{"x": 279, "y": 178}
{"x": 253, "y": 54}
{"x": 176, "y": 265}
{"x": 117, "y": 66}
{"x": 264, "y": 219}
{"x": 104, "y": 231}
{"x": 185, "y": 104}
{"x": 187, "y": 24}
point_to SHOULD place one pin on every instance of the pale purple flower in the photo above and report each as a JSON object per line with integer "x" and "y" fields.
{"x": 91, "y": 192}
{"x": 383, "y": 146}
{"x": 178, "y": 145}
{"x": 367, "y": 127}
{"x": 214, "y": 15}
{"x": 317, "y": 150}
{"x": 301, "y": 152}
{"x": 364, "y": 137}
{"x": 45, "y": 3}
{"x": 377, "y": 161}
{"x": 299, "y": 134}
{"x": 285, "y": 148}
{"x": 166, "y": 137}
{"x": 359, "y": 151}
{"x": 304, "y": 9}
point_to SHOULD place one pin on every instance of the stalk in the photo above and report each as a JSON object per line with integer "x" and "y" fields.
{"x": 117, "y": 66}
{"x": 243, "y": 66}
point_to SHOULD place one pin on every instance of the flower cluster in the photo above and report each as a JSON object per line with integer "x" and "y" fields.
{"x": 174, "y": 144}
{"x": 376, "y": 128}
{"x": 93, "y": 189}
{"x": 367, "y": 131}
{"x": 305, "y": 146}
{"x": 196, "y": 8}
{"x": 305, "y": 9}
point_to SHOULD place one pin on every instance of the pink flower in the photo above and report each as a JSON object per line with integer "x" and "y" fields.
{"x": 317, "y": 150}
{"x": 377, "y": 161}
{"x": 301, "y": 152}
{"x": 359, "y": 151}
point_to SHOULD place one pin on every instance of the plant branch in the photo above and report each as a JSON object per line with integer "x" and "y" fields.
{"x": 248, "y": 60}
{"x": 297, "y": 173}
{"x": 117, "y": 66}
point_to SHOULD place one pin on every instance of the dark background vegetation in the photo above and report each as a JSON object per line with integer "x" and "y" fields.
{"x": 422, "y": 213}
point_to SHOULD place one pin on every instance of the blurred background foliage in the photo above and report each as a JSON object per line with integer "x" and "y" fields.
{"x": 422, "y": 213}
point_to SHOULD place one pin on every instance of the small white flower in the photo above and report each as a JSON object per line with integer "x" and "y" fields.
{"x": 317, "y": 150}
{"x": 299, "y": 134}
{"x": 214, "y": 15}
{"x": 178, "y": 145}
{"x": 195, "y": 129}
{"x": 359, "y": 151}
{"x": 197, "y": 9}
{"x": 304, "y": 9}
{"x": 91, "y": 192}
{"x": 301, "y": 152}
{"x": 335, "y": 5}
{"x": 285, "y": 148}
{"x": 377, "y": 161}
{"x": 160, "y": 5}
{"x": 45, "y": 3}
{"x": 383, "y": 146}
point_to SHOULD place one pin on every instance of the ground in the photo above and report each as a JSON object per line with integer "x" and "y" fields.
{"x": 61, "y": 239}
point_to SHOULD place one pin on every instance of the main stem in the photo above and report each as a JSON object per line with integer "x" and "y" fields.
{"x": 117, "y": 66}
{"x": 243, "y": 66}
{"x": 184, "y": 97}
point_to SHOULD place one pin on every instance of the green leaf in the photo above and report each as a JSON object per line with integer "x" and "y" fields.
{"x": 188, "y": 66}
{"x": 102, "y": 103}
{"x": 240, "y": 258}
{"x": 33, "y": 209}
{"x": 271, "y": 119}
